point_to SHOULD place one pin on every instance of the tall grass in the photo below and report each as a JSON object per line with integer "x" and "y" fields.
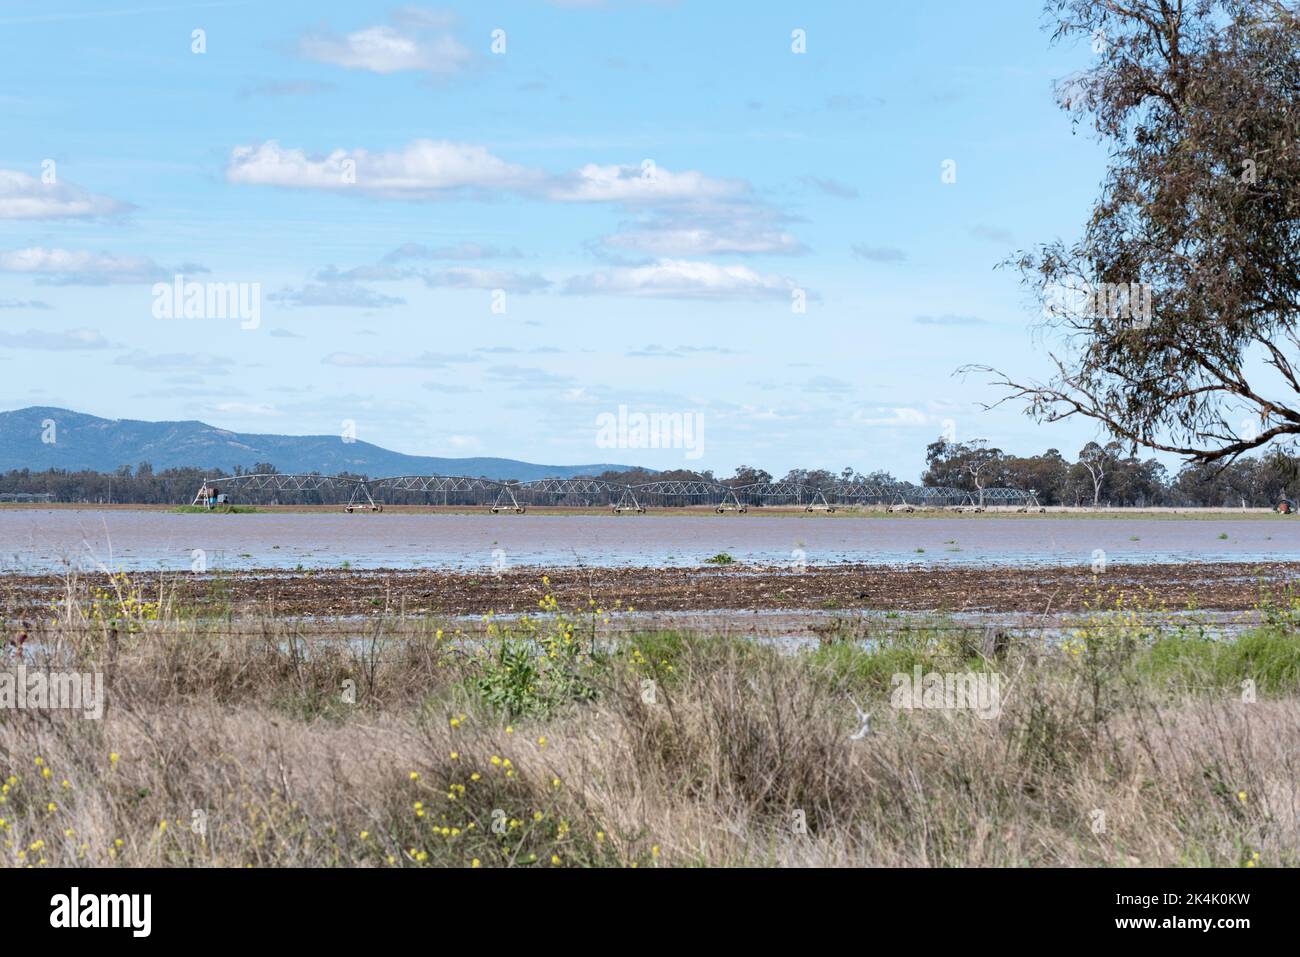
{"x": 400, "y": 741}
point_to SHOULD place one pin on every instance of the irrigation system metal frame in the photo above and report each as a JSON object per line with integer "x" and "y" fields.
{"x": 584, "y": 492}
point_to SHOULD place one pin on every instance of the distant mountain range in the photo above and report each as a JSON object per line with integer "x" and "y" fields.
{"x": 103, "y": 445}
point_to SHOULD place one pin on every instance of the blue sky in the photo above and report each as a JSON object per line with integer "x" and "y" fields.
{"x": 639, "y": 188}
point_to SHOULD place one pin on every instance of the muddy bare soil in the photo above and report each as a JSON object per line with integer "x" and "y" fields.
{"x": 1218, "y": 586}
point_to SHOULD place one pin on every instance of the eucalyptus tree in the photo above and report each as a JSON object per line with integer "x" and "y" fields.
{"x": 1174, "y": 315}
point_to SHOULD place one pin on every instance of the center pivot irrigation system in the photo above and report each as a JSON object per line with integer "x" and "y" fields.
{"x": 592, "y": 492}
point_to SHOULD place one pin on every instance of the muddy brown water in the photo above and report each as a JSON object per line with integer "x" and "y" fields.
{"x": 49, "y": 540}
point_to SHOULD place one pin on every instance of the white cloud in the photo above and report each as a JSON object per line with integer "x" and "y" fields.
{"x": 26, "y": 197}
{"x": 705, "y": 226}
{"x": 427, "y": 360}
{"x": 703, "y": 241}
{"x": 340, "y": 284}
{"x": 69, "y": 267}
{"x": 646, "y": 184}
{"x": 343, "y": 294}
{"x": 420, "y": 42}
{"x": 528, "y": 377}
{"x": 679, "y": 214}
{"x": 362, "y": 274}
{"x": 424, "y": 168}
{"x": 682, "y": 279}
{"x": 655, "y": 351}
{"x": 199, "y": 364}
{"x": 758, "y": 414}
{"x": 469, "y": 277}
{"x": 464, "y": 250}
{"x": 68, "y": 340}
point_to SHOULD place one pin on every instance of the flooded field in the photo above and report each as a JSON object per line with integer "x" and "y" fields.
{"x": 48, "y": 540}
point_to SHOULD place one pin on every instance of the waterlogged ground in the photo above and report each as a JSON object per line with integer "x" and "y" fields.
{"x": 1038, "y": 591}
{"x": 52, "y": 540}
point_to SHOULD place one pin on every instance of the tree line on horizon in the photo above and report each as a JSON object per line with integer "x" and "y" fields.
{"x": 1099, "y": 475}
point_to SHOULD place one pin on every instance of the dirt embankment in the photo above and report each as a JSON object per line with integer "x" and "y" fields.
{"x": 1221, "y": 586}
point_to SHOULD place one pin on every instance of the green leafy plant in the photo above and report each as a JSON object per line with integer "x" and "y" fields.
{"x": 531, "y": 667}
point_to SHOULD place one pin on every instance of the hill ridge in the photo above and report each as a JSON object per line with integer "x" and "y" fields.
{"x": 77, "y": 440}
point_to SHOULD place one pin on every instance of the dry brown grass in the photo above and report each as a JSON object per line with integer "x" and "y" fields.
{"x": 244, "y": 722}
